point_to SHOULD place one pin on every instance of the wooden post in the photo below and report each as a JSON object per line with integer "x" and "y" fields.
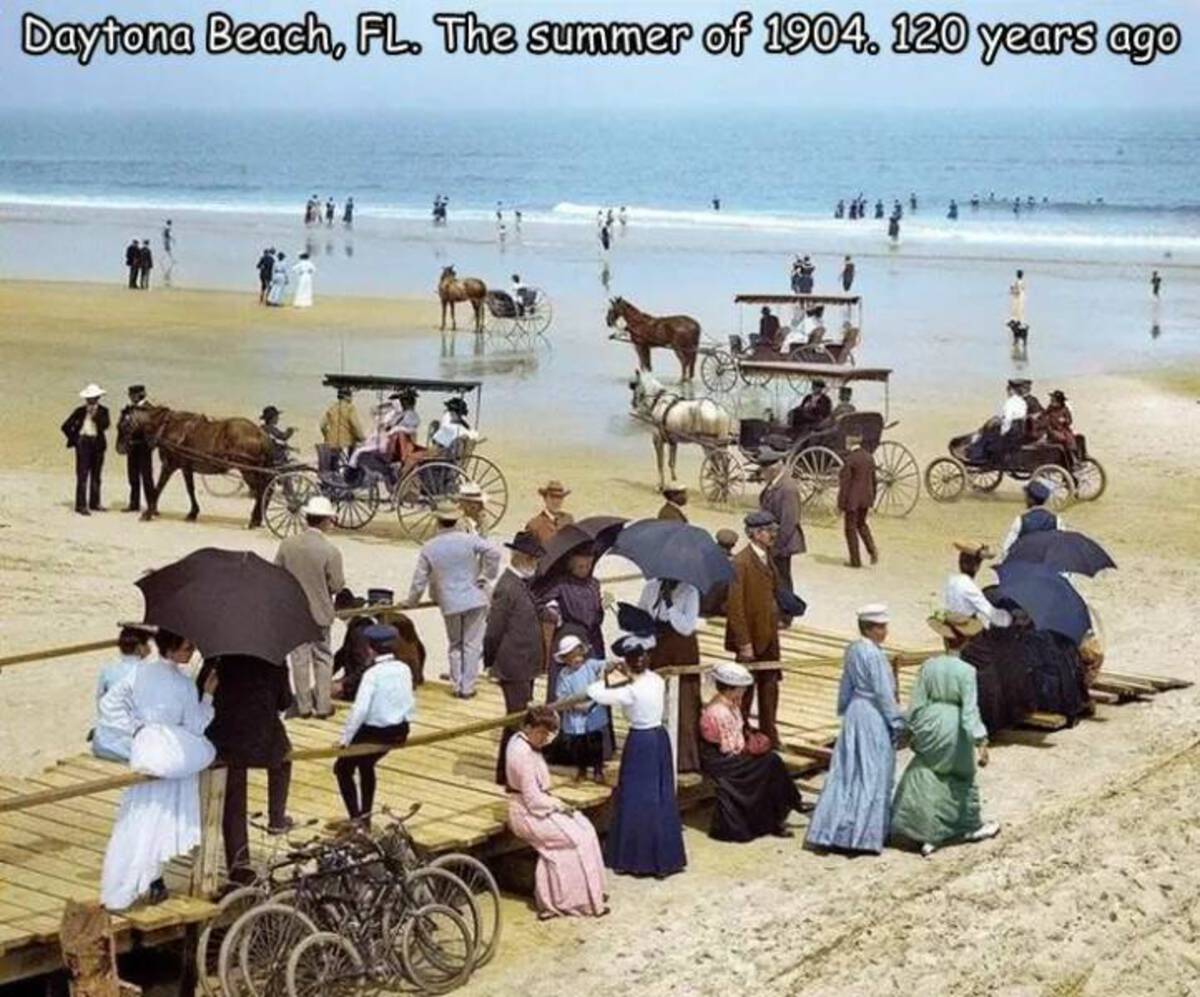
{"x": 671, "y": 706}
{"x": 206, "y": 868}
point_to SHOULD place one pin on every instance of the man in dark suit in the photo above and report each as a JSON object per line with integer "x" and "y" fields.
{"x": 672, "y": 509}
{"x": 84, "y": 429}
{"x": 139, "y": 458}
{"x": 856, "y": 498}
{"x": 266, "y": 268}
{"x": 781, "y": 498}
{"x": 714, "y": 601}
{"x": 145, "y": 265}
{"x": 513, "y": 644}
{"x": 133, "y": 257}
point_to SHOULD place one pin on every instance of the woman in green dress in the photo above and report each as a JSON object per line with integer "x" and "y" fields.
{"x": 937, "y": 801}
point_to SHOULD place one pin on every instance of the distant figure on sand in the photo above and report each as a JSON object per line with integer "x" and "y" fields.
{"x": 279, "y": 281}
{"x": 1016, "y": 308}
{"x": 1155, "y": 284}
{"x": 847, "y": 274}
{"x": 303, "y": 272}
{"x": 145, "y": 265}
{"x": 168, "y": 241}
{"x": 265, "y": 267}
{"x": 894, "y": 228}
{"x": 952, "y": 213}
{"x": 133, "y": 255}
{"x": 329, "y": 210}
{"x": 348, "y": 213}
{"x": 605, "y": 238}
{"x": 716, "y": 203}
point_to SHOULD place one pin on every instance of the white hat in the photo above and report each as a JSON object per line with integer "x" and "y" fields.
{"x": 731, "y": 673}
{"x": 319, "y": 507}
{"x": 875, "y": 612}
{"x": 93, "y": 391}
{"x": 471, "y": 491}
{"x": 568, "y": 645}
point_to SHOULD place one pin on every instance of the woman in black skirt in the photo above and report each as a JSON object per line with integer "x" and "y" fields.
{"x": 382, "y": 709}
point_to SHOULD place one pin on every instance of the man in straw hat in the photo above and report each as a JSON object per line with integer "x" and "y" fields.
{"x": 962, "y": 594}
{"x": 474, "y": 503}
{"x": 672, "y": 509}
{"x": 856, "y": 498}
{"x": 937, "y": 801}
{"x": 340, "y": 428}
{"x": 84, "y": 429}
{"x": 1036, "y": 518}
{"x": 552, "y": 516}
{"x": 752, "y": 617}
{"x": 458, "y": 567}
{"x": 317, "y": 565}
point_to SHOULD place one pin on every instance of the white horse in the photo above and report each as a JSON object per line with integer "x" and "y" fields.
{"x": 675, "y": 418}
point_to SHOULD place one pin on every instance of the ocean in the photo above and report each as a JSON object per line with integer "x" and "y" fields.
{"x": 1102, "y": 182}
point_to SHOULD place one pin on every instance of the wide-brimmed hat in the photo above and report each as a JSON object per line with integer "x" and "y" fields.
{"x": 319, "y": 507}
{"x": 980, "y": 550}
{"x": 952, "y": 625}
{"x": 149, "y": 629}
{"x": 447, "y": 511}
{"x": 635, "y": 620}
{"x": 554, "y": 487}
{"x": 633, "y": 645}
{"x": 456, "y": 405}
{"x": 471, "y": 491}
{"x": 270, "y": 412}
{"x": 567, "y": 646}
{"x": 675, "y": 490}
{"x": 93, "y": 390}
{"x": 526, "y": 543}
{"x": 731, "y": 673}
{"x": 380, "y": 633}
{"x": 873, "y": 612}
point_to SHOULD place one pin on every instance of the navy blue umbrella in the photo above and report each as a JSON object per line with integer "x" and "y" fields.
{"x": 1050, "y": 600}
{"x": 1061, "y": 550}
{"x": 664, "y": 548}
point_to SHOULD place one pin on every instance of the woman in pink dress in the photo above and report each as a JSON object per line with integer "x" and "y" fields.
{"x": 570, "y": 872}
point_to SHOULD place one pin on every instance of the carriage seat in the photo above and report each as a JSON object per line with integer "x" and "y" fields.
{"x": 736, "y": 345}
{"x": 752, "y": 433}
{"x": 867, "y": 425}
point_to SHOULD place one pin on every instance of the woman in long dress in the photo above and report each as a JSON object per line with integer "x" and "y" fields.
{"x": 755, "y": 793}
{"x": 279, "y": 282}
{"x": 158, "y": 820}
{"x": 675, "y": 607}
{"x": 645, "y": 837}
{"x": 937, "y": 801}
{"x": 854, "y": 810}
{"x": 303, "y": 272}
{"x": 569, "y": 881}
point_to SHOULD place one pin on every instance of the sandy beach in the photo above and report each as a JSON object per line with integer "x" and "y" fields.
{"x": 1088, "y": 890}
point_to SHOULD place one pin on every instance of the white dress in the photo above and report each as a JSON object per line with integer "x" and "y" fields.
{"x": 157, "y": 820}
{"x": 279, "y": 281}
{"x": 1016, "y": 295}
{"x": 303, "y": 272}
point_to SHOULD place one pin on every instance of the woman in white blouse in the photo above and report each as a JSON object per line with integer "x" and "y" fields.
{"x": 675, "y": 607}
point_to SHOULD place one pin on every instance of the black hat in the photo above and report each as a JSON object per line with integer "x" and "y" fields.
{"x": 380, "y": 597}
{"x": 137, "y": 389}
{"x": 526, "y": 543}
{"x": 345, "y": 599}
{"x": 635, "y": 620}
{"x": 270, "y": 412}
{"x": 456, "y": 405}
{"x": 345, "y": 392}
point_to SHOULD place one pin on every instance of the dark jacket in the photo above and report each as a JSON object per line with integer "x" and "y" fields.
{"x": 781, "y": 498}
{"x": 856, "y": 481}
{"x": 133, "y": 254}
{"x": 74, "y": 424}
{"x": 513, "y": 645}
{"x": 752, "y": 613}
{"x": 251, "y": 694}
{"x": 145, "y": 258}
{"x": 672, "y": 513}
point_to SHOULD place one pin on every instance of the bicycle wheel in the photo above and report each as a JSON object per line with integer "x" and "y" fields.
{"x": 265, "y": 943}
{"x": 486, "y": 894}
{"x": 422, "y": 888}
{"x": 436, "y": 949}
{"x": 208, "y": 947}
{"x": 325, "y": 964}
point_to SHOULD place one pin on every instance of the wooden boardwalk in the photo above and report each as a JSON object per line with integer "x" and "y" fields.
{"x": 53, "y": 852}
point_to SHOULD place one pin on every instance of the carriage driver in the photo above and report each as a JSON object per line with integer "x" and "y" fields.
{"x": 814, "y": 409}
{"x": 269, "y": 423}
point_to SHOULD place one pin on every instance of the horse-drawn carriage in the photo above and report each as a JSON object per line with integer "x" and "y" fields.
{"x": 722, "y": 367}
{"x": 411, "y": 487}
{"x": 978, "y": 463}
{"x": 815, "y": 453}
{"x": 524, "y": 314}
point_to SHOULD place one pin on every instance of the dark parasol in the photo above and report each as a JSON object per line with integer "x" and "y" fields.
{"x": 598, "y": 532}
{"x": 1050, "y": 600}
{"x": 1061, "y": 550}
{"x": 683, "y": 553}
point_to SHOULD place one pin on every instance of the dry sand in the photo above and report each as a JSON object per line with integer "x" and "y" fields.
{"x": 1089, "y": 890}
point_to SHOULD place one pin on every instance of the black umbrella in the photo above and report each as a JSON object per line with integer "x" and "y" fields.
{"x": 667, "y": 549}
{"x": 230, "y": 602}
{"x": 1049, "y": 599}
{"x": 598, "y": 532}
{"x": 1061, "y": 550}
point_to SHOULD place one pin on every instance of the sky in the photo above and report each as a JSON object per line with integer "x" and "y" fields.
{"x": 524, "y": 83}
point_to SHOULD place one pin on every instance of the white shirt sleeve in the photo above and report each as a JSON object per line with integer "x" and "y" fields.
{"x": 621, "y": 695}
{"x": 1014, "y": 531}
{"x": 978, "y": 601}
{"x": 362, "y": 704}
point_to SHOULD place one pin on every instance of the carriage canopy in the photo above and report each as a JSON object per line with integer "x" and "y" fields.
{"x": 374, "y": 382}
{"x": 805, "y": 300}
{"x": 821, "y": 371}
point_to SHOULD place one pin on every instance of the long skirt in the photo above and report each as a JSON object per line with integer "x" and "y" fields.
{"x": 935, "y": 807}
{"x": 673, "y": 648}
{"x": 1003, "y": 677}
{"x": 755, "y": 794}
{"x": 854, "y": 809}
{"x": 646, "y": 835}
{"x": 569, "y": 880}
{"x": 581, "y": 751}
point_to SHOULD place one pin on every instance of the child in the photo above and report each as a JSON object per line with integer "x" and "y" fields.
{"x": 581, "y": 738}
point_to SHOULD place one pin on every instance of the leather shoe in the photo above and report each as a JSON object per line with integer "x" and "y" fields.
{"x": 157, "y": 892}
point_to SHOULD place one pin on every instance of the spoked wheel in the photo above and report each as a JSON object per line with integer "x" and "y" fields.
{"x": 811, "y": 353}
{"x": 208, "y": 947}
{"x": 482, "y": 884}
{"x": 945, "y": 479}
{"x": 355, "y": 507}
{"x": 719, "y": 372}
{"x": 1062, "y": 485}
{"x": 536, "y": 318}
{"x": 898, "y": 479}
{"x": 498, "y": 325}
{"x": 325, "y": 963}
{"x": 225, "y": 485}
{"x": 420, "y": 491}
{"x": 984, "y": 480}
{"x": 436, "y": 949}
{"x": 816, "y": 470}
{"x": 491, "y": 479}
{"x": 723, "y": 477}
{"x": 253, "y": 959}
{"x": 755, "y": 379}
{"x": 285, "y": 497}
{"x": 1090, "y": 480}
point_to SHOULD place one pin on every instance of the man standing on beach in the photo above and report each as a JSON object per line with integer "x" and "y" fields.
{"x": 139, "y": 457}
{"x": 168, "y": 241}
{"x": 781, "y": 498}
{"x": 266, "y": 268}
{"x": 133, "y": 257}
{"x": 145, "y": 265}
{"x": 1155, "y": 284}
{"x": 847, "y": 274}
{"x": 84, "y": 429}
{"x": 856, "y": 497}
{"x": 552, "y": 516}
{"x": 672, "y": 508}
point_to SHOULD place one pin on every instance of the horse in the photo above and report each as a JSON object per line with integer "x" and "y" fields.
{"x": 699, "y": 420}
{"x": 195, "y": 444}
{"x": 679, "y": 333}
{"x": 451, "y": 290}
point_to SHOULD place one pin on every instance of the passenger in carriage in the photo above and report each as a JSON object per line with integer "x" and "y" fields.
{"x": 1006, "y": 431}
{"x": 279, "y": 437}
{"x": 1056, "y": 424}
{"x": 519, "y": 293}
{"x": 844, "y": 406}
{"x": 814, "y": 409}
{"x": 769, "y": 333}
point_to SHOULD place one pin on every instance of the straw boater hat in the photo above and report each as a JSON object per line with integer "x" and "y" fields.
{"x": 874, "y": 612}
{"x": 731, "y": 673}
{"x": 92, "y": 391}
{"x": 670, "y": 490}
{"x": 980, "y": 550}
{"x": 951, "y": 625}
{"x": 447, "y": 511}
{"x": 319, "y": 507}
{"x": 149, "y": 629}
{"x": 554, "y": 487}
{"x": 471, "y": 491}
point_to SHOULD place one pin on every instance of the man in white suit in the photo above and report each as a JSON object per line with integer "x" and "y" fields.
{"x": 457, "y": 567}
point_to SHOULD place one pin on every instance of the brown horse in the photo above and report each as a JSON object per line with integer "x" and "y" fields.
{"x": 451, "y": 290}
{"x": 195, "y": 444}
{"x": 679, "y": 333}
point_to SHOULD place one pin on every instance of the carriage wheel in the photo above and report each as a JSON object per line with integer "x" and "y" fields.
{"x": 723, "y": 477}
{"x": 536, "y": 320}
{"x": 488, "y": 477}
{"x": 984, "y": 480}
{"x": 811, "y": 353}
{"x": 946, "y": 479}
{"x": 816, "y": 470}
{"x": 420, "y": 491}
{"x": 285, "y": 496}
{"x": 225, "y": 485}
{"x": 325, "y": 963}
{"x": 355, "y": 507}
{"x": 898, "y": 479}
{"x": 1062, "y": 485}
{"x": 755, "y": 379}
{"x": 719, "y": 372}
{"x": 498, "y": 325}
{"x": 1090, "y": 480}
